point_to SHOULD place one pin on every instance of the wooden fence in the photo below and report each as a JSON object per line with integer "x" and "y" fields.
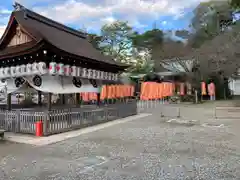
{"x": 62, "y": 120}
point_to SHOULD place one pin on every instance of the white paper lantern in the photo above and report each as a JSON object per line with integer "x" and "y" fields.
{"x": 116, "y": 77}
{"x": 90, "y": 73}
{"x": 74, "y": 71}
{"x": 104, "y": 73}
{"x": 94, "y": 76}
{"x": 84, "y": 72}
{"x": 60, "y": 69}
{"x": 18, "y": 71}
{"x": 42, "y": 67}
{"x": 67, "y": 70}
{"x": 79, "y": 72}
{"x": 1, "y": 73}
{"x": 111, "y": 76}
{"x": 13, "y": 71}
{"x": 29, "y": 69}
{"x": 101, "y": 74}
{"x": 35, "y": 69}
{"x": 23, "y": 69}
{"x": 7, "y": 72}
{"x": 97, "y": 74}
{"x": 52, "y": 68}
{"x": 87, "y": 72}
{"x": 105, "y": 76}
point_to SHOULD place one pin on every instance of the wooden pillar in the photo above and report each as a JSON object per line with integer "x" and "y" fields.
{"x": 98, "y": 99}
{"x": 49, "y": 103}
{"x": 39, "y": 98}
{"x": 9, "y": 101}
{"x": 77, "y": 99}
{"x": 63, "y": 99}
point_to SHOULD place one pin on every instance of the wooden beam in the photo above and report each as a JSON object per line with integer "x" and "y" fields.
{"x": 98, "y": 99}
{"x": 49, "y": 102}
{"x": 39, "y": 98}
{"x": 77, "y": 99}
{"x": 9, "y": 102}
{"x": 63, "y": 99}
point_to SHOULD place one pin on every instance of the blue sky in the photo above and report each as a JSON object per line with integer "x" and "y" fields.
{"x": 92, "y": 14}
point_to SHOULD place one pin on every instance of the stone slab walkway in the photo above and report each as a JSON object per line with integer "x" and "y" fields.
{"x": 40, "y": 141}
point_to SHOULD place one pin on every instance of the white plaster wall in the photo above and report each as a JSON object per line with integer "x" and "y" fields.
{"x": 234, "y": 85}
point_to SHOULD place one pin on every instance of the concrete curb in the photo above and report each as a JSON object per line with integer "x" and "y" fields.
{"x": 41, "y": 141}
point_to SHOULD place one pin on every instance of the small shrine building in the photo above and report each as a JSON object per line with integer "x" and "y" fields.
{"x": 49, "y": 57}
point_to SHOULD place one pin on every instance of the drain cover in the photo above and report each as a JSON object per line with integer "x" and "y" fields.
{"x": 181, "y": 121}
{"x": 89, "y": 162}
{"x": 212, "y": 125}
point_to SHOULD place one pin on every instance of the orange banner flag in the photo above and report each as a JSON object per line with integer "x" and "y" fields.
{"x": 167, "y": 89}
{"x": 94, "y": 96}
{"x": 110, "y": 92}
{"x": 155, "y": 91}
{"x": 129, "y": 90}
{"x": 103, "y": 94}
{"x": 203, "y": 88}
{"x": 163, "y": 90}
{"x": 117, "y": 91}
{"x": 150, "y": 90}
{"x": 113, "y": 91}
{"x": 90, "y": 96}
{"x": 144, "y": 91}
{"x": 124, "y": 90}
{"x": 85, "y": 97}
{"x": 159, "y": 90}
{"x": 132, "y": 91}
{"x": 182, "y": 89}
{"x": 170, "y": 89}
{"x": 211, "y": 89}
{"x": 121, "y": 91}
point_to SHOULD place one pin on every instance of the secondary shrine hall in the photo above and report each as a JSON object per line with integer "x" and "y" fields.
{"x": 50, "y": 57}
{"x": 45, "y": 58}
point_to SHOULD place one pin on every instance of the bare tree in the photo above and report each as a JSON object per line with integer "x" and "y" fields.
{"x": 220, "y": 54}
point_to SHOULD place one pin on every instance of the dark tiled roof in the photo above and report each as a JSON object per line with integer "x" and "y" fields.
{"x": 18, "y": 49}
{"x": 60, "y": 36}
{"x": 160, "y": 68}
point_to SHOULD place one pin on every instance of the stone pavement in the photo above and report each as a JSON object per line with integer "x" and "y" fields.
{"x": 40, "y": 141}
{"x": 143, "y": 149}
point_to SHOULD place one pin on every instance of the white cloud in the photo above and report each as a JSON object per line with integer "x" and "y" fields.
{"x": 109, "y": 19}
{"x": 2, "y": 29}
{"x": 5, "y": 11}
{"x": 94, "y": 13}
{"x": 164, "y": 22}
{"x": 80, "y": 12}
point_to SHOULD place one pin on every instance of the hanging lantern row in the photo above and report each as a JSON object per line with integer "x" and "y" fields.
{"x": 23, "y": 70}
{"x": 55, "y": 69}
{"x": 67, "y": 70}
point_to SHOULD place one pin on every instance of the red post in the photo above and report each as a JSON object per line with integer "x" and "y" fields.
{"x": 39, "y": 128}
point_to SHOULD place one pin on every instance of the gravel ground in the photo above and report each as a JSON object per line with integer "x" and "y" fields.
{"x": 144, "y": 149}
